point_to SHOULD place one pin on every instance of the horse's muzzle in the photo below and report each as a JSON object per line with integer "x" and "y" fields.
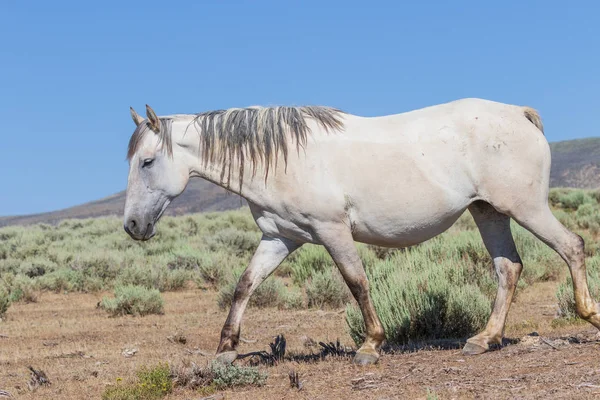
{"x": 135, "y": 230}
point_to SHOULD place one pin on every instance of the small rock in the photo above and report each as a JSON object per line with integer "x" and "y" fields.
{"x": 129, "y": 352}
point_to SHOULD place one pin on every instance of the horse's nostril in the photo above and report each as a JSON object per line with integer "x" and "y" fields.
{"x": 130, "y": 226}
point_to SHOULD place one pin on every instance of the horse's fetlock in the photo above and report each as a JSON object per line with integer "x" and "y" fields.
{"x": 586, "y": 312}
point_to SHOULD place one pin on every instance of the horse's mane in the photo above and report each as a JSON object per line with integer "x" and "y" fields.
{"x": 258, "y": 134}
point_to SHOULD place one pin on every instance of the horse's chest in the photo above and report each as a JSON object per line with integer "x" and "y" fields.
{"x": 273, "y": 225}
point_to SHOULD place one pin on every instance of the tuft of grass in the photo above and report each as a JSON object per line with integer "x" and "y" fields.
{"x": 133, "y": 300}
{"x": 151, "y": 383}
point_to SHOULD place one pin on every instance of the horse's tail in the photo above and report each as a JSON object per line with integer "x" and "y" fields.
{"x": 533, "y": 116}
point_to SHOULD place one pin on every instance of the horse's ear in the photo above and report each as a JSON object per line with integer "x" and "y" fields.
{"x": 152, "y": 119}
{"x": 136, "y": 117}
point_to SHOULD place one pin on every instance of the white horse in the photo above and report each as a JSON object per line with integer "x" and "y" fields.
{"x": 318, "y": 175}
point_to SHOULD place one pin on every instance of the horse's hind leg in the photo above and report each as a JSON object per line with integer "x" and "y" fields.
{"x": 540, "y": 221}
{"x": 495, "y": 232}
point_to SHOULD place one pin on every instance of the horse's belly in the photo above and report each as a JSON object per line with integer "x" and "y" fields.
{"x": 402, "y": 233}
{"x": 405, "y": 226}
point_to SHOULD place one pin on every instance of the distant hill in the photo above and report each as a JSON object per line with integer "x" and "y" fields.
{"x": 199, "y": 196}
{"x": 575, "y": 163}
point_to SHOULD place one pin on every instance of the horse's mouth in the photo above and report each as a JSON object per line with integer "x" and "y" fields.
{"x": 150, "y": 232}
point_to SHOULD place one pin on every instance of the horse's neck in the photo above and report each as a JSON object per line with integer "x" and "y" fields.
{"x": 250, "y": 188}
{"x": 253, "y": 185}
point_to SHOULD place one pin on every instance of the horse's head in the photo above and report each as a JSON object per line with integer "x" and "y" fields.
{"x": 155, "y": 176}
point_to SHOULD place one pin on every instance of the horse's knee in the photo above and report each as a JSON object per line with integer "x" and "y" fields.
{"x": 243, "y": 287}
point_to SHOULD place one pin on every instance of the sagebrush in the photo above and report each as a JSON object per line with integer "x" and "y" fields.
{"x": 444, "y": 286}
{"x": 133, "y": 300}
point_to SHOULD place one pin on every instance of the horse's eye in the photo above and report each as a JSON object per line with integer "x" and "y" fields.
{"x": 148, "y": 162}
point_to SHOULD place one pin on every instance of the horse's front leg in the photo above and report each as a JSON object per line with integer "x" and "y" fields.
{"x": 339, "y": 242}
{"x": 269, "y": 254}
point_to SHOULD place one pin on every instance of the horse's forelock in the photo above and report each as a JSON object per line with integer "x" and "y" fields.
{"x": 142, "y": 129}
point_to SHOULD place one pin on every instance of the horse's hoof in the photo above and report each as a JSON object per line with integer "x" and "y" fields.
{"x": 227, "y": 357}
{"x": 365, "y": 358}
{"x": 472, "y": 349}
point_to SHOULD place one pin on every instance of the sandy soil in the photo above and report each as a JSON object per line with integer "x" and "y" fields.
{"x": 81, "y": 350}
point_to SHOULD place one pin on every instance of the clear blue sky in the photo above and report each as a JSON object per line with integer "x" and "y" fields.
{"x": 69, "y": 70}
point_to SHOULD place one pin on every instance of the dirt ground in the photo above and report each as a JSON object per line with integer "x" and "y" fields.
{"x": 81, "y": 350}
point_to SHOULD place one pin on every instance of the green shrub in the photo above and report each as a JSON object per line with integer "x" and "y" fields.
{"x": 268, "y": 294}
{"x": 467, "y": 311}
{"x": 4, "y": 303}
{"x": 214, "y": 268}
{"x": 428, "y": 292}
{"x": 62, "y": 280}
{"x": 327, "y": 289}
{"x": 158, "y": 376}
{"x": 216, "y": 376}
{"x": 540, "y": 262}
{"x": 291, "y": 300}
{"x": 21, "y": 288}
{"x": 226, "y": 377}
{"x": 152, "y": 383}
{"x": 308, "y": 260}
{"x": 133, "y": 300}
{"x": 36, "y": 267}
{"x": 9, "y": 265}
{"x": 104, "y": 266}
{"x": 154, "y": 277}
{"x": 566, "y": 218}
{"x": 586, "y": 210}
{"x": 235, "y": 241}
{"x": 555, "y": 195}
{"x": 572, "y": 200}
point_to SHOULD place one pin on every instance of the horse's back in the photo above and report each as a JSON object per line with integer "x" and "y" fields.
{"x": 405, "y": 178}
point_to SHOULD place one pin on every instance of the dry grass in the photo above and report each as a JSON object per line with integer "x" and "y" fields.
{"x": 81, "y": 351}
{"x": 80, "y": 347}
